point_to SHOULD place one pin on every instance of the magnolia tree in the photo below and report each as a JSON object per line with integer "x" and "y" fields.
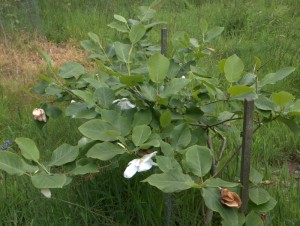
{"x": 168, "y": 112}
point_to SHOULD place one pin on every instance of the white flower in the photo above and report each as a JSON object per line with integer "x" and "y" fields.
{"x": 46, "y": 192}
{"x": 39, "y": 114}
{"x": 124, "y": 103}
{"x": 139, "y": 165}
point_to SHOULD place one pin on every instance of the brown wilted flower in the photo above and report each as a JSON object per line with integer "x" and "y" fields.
{"x": 230, "y": 199}
{"x": 39, "y": 114}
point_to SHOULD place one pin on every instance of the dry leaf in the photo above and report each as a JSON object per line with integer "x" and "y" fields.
{"x": 230, "y": 199}
{"x": 263, "y": 217}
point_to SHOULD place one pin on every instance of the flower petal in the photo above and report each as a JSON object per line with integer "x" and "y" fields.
{"x": 131, "y": 169}
{"x": 145, "y": 165}
{"x": 46, "y": 192}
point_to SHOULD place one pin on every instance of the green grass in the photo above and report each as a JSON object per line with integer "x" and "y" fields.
{"x": 266, "y": 29}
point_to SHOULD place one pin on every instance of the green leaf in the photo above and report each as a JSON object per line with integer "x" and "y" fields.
{"x": 203, "y": 26}
{"x": 282, "y": 98}
{"x": 146, "y": 13}
{"x": 211, "y": 198}
{"x": 265, "y": 207}
{"x": 167, "y": 149}
{"x": 46, "y": 57}
{"x": 136, "y": 33}
{"x": 294, "y": 108}
{"x": 143, "y": 117}
{"x": 89, "y": 45}
{"x": 180, "y": 136}
{"x": 213, "y": 33}
{"x": 119, "y": 27}
{"x": 53, "y": 111}
{"x": 94, "y": 37}
{"x": 120, "y": 18}
{"x": 233, "y": 68}
{"x": 28, "y": 148}
{"x": 255, "y": 176}
{"x": 199, "y": 160}
{"x": 85, "y": 169}
{"x": 272, "y": 78}
{"x": 122, "y": 51}
{"x": 238, "y": 90}
{"x": 259, "y": 195}
{"x": 165, "y": 119}
{"x": 86, "y": 96}
{"x": 171, "y": 181}
{"x": 158, "y": 66}
{"x": 71, "y": 69}
{"x": 12, "y": 163}
{"x": 104, "y": 151}
{"x": 167, "y": 164}
{"x": 98, "y": 129}
{"x": 217, "y": 182}
{"x": 132, "y": 80}
{"x": 148, "y": 92}
{"x": 264, "y": 103}
{"x": 174, "y": 86}
{"x": 121, "y": 123}
{"x": 140, "y": 134}
{"x": 64, "y": 154}
{"x": 290, "y": 123}
{"x": 253, "y": 219}
{"x": 104, "y": 96}
{"x": 48, "y": 181}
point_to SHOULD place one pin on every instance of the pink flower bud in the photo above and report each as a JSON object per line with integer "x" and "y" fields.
{"x": 39, "y": 114}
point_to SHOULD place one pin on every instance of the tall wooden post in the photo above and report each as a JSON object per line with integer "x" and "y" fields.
{"x": 246, "y": 151}
{"x": 164, "y": 38}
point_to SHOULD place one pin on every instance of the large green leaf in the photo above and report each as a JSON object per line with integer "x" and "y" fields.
{"x": 203, "y": 26}
{"x": 264, "y": 103}
{"x": 131, "y": 80}
{"x": 122, "y": 51}
{"x": 265, "y": 207}
{"x": 165, "y": 119}
{"x": 137, "y": 31}
{"x": 199, "y": 160}
{"x": 71, "y": 69}
{"x": 143, "y": 117}
{"x": 104, "y": 96}
{"x": 148, "y": 92}
{"x": 98, "y": 129}
{"x": 28, "y": 148}
{"x": 217, "y": 182}
{"x": 167, "y": 164}
{"x": 85, "y": 169}
{"x": 120, "y": 18}
{"x": 171, "y": 181}
{"x": 158, "y": 66}
{"x": 146, "y": 13}
{"x": 259, "y": 195}
{"x": 121, "y": 123}
{"x": 12, "y": 163}
{"x": 294, "y": 108}
{"x": 86, "y": 96}
{"x": 180, "y": 136}
{"x": 119, "y": 27}
{"x": 233, "y": 68}
{"x": 211, "y": 198}
{"x": 167, "y": 149}
{"x": 253, "y": 219}
{"x": 272, "y": 78}
{"x": 239, "y": 89}
{"x": 48, "y": 181}
{"x": 64, "y": 154}
{"x": 104, "y": 151}
{"x": 282, "y": 98}
{"x": 174, "y": 86}
{"x": 213, "y": 33}
{"x": 140, "y": 134}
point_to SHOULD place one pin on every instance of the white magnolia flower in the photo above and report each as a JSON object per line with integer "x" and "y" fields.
{"x": 39, "y": 114}
{"x": 139, "y": 165}
{"x": 46, "y": 192}
{"x": 124, "y": 103}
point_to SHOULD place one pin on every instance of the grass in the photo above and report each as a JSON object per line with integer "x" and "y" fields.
{"x": 266, "y": 29}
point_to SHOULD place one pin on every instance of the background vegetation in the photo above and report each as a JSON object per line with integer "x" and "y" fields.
{"x": 263, "y": 28}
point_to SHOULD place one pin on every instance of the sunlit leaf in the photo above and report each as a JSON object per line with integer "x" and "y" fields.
{"x": 233, "y": 68}
{"x": 28, "y": 148}
{"x": 158, "y": 66}
{"x": 64, "y": 154}
{"x": 282, "y": 98}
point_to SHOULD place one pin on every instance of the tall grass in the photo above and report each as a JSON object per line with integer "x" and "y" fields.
{"x": 266, "y": 29}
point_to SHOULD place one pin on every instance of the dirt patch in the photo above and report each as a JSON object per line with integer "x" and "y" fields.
{"x": 20, "y": 62}
{"x": 294, "y": 167}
